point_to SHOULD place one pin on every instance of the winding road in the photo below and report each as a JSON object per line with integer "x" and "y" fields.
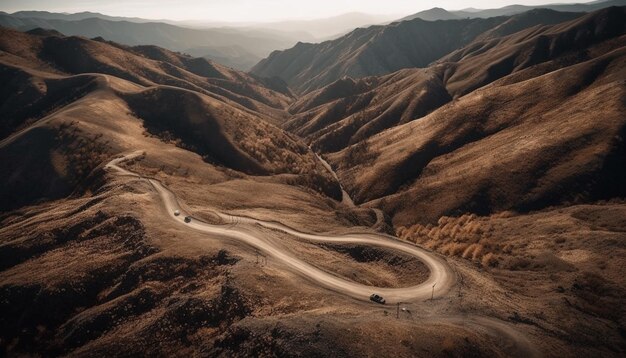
{"x": 442, "y": 277}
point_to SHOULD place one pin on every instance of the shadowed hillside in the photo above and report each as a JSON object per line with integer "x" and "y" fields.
{"x": 544, "y": 147}
{"x": 483, "y": 62}
{"x": 380, "y": 50}
{"x": 349, "y": 111}
{"x": 376, "y": 50}
{"x": 143, "y": 65}
{"x": 55, "y": 114}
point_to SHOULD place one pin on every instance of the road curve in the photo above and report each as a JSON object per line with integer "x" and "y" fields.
{"x": 442, "y": 277}
{"x": 441, "y": 274}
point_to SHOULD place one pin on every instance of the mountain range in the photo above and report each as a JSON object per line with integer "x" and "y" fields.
{"x": 442, "y": 14}
{"x": 232, "y": 47}
{"x": 364, "y": 120}
{"x": 429, "y": 187}
{"x": 366, "y": 52}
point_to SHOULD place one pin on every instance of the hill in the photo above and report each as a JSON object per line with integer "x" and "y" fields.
{"x": 349, "y": 111}
{"x": 546, "y": 146}
{"x": 412, "y": 43}
{"x": 518, "y": 9}
{"x": 220, "y": 44}
{"x": 55, "y": 79}
{"x": 145, "y": 65}
{"x": 433, "y": 14}
{"x": 153, "y": 203}
{"x": 366, "y": 52}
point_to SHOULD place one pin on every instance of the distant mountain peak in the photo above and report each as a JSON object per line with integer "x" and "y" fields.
{"x": 434, "y": 14}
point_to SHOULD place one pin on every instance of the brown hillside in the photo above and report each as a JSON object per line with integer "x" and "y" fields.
{"x": 376, "y": 50}
{"x": 483, "y": 62}
{"x": 543, "y": 147}
{"x": 349, "y": 111}
{"x": 75, "y": 55}
{"x": 58, "y": 114}
{"x": 377, "y": 104}
{"x": 155, "y": 204}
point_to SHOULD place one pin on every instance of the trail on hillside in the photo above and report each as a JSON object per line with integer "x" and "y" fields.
{"x": 442, "y": 277}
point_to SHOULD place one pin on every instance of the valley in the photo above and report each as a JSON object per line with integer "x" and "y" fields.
{"x": 470, "y": 170}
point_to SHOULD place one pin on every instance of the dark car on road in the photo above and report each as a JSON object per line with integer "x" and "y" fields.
{"x": 376, "y": 298}
{"x": 187, "y": 219}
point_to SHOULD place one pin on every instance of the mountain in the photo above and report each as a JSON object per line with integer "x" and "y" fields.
{"x": 157, "y": 204}
{"x": 351, "y": 110}
{"x": 225, "y": 45}
{"x": 380, "y": 50}
{"x": 433, "y": 14}
{"x": 529, "y": 19}
{"x": 522, "y": 133}
{"x": 46, "y": 15}
{"x": 517, "y": 9}
{"x": 375, "y": 50}
{"x": 144, "y": 85}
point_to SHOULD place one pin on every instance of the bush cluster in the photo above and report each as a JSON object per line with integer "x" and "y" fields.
{"x": 467, "y": 236}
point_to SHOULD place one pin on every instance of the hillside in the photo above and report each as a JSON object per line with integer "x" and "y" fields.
{"x": 349, "y": 111}
{"x": 143, "y": 65}
{"x": 341, "y": 115}
{"x": 446, "y": 188}
{"x": 417, "y": 42}
{"x": 50, "y": 86}
{"x": 376, "y": 50}
{"x": 482, "y": 62}
{"x": 536, "y": 158}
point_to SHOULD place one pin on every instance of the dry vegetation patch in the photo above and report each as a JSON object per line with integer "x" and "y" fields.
{"x": 468, "y": 236}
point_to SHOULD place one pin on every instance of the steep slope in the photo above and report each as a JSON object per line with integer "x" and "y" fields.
{"x": 142, "y": 65}
{"x": 376, "y": 50}
{"x": 380, "y": 50}
{"x": 349, "y": 111}
{"x": 59, "y": 128}
{"x": 94, "y": 260}
{"x": 548, "y": 140}
{"x": 527, "y": 20}
{"x": 485, "y": 61}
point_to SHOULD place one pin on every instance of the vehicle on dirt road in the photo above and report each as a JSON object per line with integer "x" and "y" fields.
{"x": 376, "y": 298}
{"x": 187, "y": 219}
{"x": 176, "y": 212}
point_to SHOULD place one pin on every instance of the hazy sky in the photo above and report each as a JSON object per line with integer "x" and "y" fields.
{"x": 253, "y": 10}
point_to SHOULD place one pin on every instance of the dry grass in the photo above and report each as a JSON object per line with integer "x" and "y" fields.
{"x": 467, "y": 236}
{"x": 82, "y": 152}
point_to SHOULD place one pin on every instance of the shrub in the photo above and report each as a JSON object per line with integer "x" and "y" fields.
{"x": 489, "y": 260}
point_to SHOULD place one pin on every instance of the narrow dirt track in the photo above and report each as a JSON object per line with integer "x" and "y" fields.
{"x": 441, "y": 273}
{"x": 242, "y": 229}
